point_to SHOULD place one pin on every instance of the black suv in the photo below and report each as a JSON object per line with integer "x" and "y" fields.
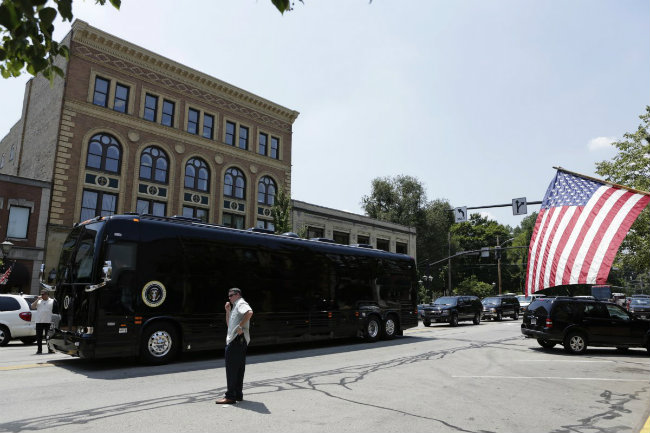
{"x": 639, "y": 306}
{"x": 577, "y": 323}
{"x": 496, "y": 307}
{"x": 453, "y": 309}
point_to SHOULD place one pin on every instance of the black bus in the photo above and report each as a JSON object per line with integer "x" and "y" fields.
{"x": 150, "y": 286}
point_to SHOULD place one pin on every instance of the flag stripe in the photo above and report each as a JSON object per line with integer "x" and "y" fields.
{"x": 558, "y": 240}
{"x": 558, "y": 261}
{"x": 546, "y": 244}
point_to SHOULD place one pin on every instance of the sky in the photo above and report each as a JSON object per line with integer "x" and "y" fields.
{"x": 477, "y": 99}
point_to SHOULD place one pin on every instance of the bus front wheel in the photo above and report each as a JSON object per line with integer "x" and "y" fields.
{"x": 159, "y": 344}
{"x": 373, "y": 328}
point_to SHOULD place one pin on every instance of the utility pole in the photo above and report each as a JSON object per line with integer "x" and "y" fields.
{"x": 449, "y": 263}
{"x": 498, "y": 253}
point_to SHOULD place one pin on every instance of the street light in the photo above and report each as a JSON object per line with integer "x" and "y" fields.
{"x": 6, "y": 248}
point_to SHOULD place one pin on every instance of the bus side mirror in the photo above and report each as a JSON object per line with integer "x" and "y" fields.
{"x": 107, "y": 272}
{"x": 41, "y": 275}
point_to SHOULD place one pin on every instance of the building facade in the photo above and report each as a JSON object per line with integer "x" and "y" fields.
{"x": 313, "y": 221}
{"x": 23, "y": 217}
{"x": 128, "y": 130}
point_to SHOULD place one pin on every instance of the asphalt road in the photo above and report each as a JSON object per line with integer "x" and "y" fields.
{"x": 484, "y": 378}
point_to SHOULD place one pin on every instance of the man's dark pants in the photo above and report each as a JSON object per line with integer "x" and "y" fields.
{"x": 41, "y": 330}
{"x": 235, "y": 368}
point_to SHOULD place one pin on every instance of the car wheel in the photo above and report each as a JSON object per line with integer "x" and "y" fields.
{"x": 28, "y": 340}
{"x": 477, "y": 319}
{"x": 545, "y": 343}
{"x": 453, "y": 320}
{"x": 5, "y": 335}
{"x": 160, "y": 343}
{"x": 372, "y": 331}
{"x": 390, "y": 327}
{"x": 516, "y": 316}
{"x": 499, "y": 316}
{"x": 575, "y": 343}
{"x": 426, "y": 322}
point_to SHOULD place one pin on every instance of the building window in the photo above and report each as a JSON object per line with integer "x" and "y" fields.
{"x": 266, "y": 191}
{"x": 234, "y": 184}
{"x": 100, "y": 97}
{"x": 243, "y": 137}
{"x": 195, "y": 212}
{"x": 18, "y": 222}
{"x": 104, "y": 153}
{"x": 121, "y": 101}
{"x": 208, "y": 126}
{"x": 151, "y": 207}
{"x": 150, "y": 107}
{"x": 361, "y": 239}
{"x": 275, "y": 148}
{"x": 261, "y": 149}
{"x": 401, "y": 248}
{"x": 154, "y": 165}
{"x": 383, "y": 244}
{"x": 197, "y": 174}
{"x": 192, "y": 121}
{"x": 234, "y": 221}
{"x": 341, "y": 238}
{"x": 97, "y": 203}
{"x": 230, "y": 133}
{"x": 315, "y": 232}
{"x": 265, "y": 224}
{"x": 168, "y": 113}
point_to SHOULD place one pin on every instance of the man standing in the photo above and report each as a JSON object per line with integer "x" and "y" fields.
{"x": 238, "y": 315}
{"x": 44, "y": 306}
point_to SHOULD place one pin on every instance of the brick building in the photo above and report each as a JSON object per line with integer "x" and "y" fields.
{"x": 128, "y": 130}
{"x": 23, "y": 216}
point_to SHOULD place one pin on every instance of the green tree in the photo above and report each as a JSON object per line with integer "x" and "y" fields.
{"x": 26, "y": 28}
{"x": 631, "y": 167}
{"x": 472, "y": 286}
{"x": 281, "y": 212}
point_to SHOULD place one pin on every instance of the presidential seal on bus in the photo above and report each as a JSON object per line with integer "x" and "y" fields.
{"x": 154, "y": 293}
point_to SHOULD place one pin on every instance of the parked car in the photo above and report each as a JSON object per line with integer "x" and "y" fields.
{"x": 453, "y": 309}
{"x": 639, "y": 306}
{"x": 619, "y": 299}
{"x": 577, "y": 323}
{"x": 497, "y": 307}
{"x": 524, "y": 301}
{"x": 16, "y": 319}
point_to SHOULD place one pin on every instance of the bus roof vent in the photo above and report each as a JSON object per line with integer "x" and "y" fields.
{"x": 260, "y": 230}
{"x": 291, "y": 235}
{"x": 331, "y": 241}
{"x": 362, "y": 246}
{"x": 188, "y": 219}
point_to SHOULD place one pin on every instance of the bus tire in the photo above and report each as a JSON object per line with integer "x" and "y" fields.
{"x": 372, "y": 331}
{"x": 159, "y": 344}
{"x": 391, "y": 327}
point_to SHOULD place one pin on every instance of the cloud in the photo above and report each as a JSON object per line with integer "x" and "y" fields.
{"x": 599, "y": 143}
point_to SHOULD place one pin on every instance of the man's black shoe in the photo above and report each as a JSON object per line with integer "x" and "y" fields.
{"x": 225, "y": 401}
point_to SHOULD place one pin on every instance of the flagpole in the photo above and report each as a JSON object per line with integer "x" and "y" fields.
{"x": 637, "y": 191}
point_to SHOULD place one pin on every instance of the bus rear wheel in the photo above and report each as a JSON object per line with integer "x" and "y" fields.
{"x": 372, "y": 331}
{"x": 390, "y": 327}
{"x": 159, "y": 344}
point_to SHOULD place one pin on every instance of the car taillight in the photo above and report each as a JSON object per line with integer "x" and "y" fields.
{"x": 549, "y": 323}
{"x": 27, "y": 316}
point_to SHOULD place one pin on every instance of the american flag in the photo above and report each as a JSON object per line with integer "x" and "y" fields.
{"x": 5, "y": 277}
{"x": 578, "y": 231}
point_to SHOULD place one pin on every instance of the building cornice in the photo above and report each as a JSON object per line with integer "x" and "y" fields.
{"x": 85, "y": 34}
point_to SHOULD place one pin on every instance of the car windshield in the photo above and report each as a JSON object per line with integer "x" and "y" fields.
{"x": 640, "y": 301}
{"x": 490, "y": 301}
{"x": 445, "y": 300}
{"x": 524, "y": 298}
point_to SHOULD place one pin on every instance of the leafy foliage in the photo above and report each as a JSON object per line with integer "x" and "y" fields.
{"x": 631, "y": 167}
{"x": 472, "y": 286}
{"x": 281, "y": 212}
{"x": 26, "y": 28}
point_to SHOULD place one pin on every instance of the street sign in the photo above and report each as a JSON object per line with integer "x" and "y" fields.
{"x": 460, "y": 214}
{"x": 519, "y": 206}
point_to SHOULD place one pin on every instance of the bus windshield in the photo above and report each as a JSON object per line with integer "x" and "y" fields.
{"x": 78, "y": 253}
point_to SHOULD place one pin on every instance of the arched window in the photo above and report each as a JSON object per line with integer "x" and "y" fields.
{"x": 266, "y": 191}
{"x": 104, "y": 153}
{"x": 197, "y": 174}
{"x": 154, "y": 165}
{"x": 234, "y": 184}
